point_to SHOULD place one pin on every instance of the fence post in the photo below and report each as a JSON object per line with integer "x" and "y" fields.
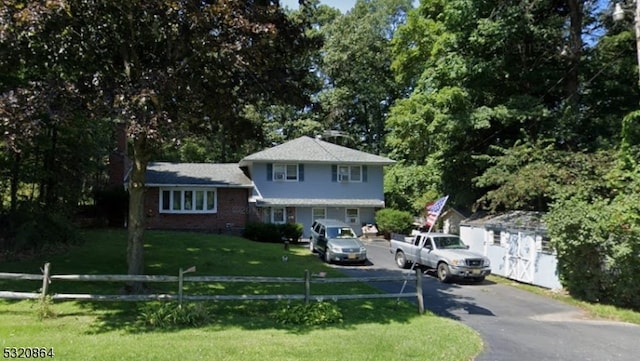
{"x": 307, "y": 286}
{"x": 45, "y": 279}
{"x": 419, "y": 297}
{"x": 180, "y": 281}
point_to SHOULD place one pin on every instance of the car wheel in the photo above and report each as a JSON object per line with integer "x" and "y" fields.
{"x": 401, "y": 260}
{"x": 311, "y": 249}
{"x": 443, "y": 273}
{"x": 327, "y": 257}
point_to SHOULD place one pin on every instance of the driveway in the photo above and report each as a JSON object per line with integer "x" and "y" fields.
{"x": 514, "y": 324}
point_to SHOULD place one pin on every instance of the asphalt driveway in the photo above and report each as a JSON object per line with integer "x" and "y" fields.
{"x": 514, "y": 324}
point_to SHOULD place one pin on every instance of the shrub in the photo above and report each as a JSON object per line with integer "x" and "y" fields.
{"x": 272, "y": 233}
{"x": 37, "y": 230}
{"x": 171, "y": 314}
{"x": 44, "y": 308}
{"x": 598, "y": 245}
{"x": 291, "y": 231}
{"x": 310, "y": 314}
{"x": 391, "y": 220}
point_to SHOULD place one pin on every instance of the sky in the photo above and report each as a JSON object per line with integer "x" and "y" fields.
{"x": 342, "y": 5}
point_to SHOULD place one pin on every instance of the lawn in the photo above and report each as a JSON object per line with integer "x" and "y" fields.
{"x": 248, "y": 330}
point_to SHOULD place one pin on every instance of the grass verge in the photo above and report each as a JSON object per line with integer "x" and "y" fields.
{"x": 595, "y": 310}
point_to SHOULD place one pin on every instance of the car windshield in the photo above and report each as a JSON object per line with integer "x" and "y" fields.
{"x": 449, "y": 243}
{"x": 344, "y": 232}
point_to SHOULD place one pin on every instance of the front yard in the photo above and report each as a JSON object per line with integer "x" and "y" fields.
{"x": 247, "y": 330}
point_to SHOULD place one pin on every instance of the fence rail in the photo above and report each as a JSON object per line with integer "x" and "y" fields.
{"x": 307, "y": 280}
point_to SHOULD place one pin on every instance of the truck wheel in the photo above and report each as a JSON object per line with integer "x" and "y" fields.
{"x": 313, "y": 250}
{"x": 401, "y": 260}
{"x": 443, "y": 273}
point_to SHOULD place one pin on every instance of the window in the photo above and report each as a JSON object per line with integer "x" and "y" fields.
{"x": 349, "y": 173}
{"x": 285, "y": 172}
{"x": 318, "y": 213}
{"x": 355, "y": 174}
{"x": 278, "y": 215}
{"x": 352, "y": 216}
{"x": 188, "y": 201}
{"x": 496, "y": 237}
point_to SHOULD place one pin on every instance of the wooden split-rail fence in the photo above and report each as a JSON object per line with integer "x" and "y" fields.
{"x": 47, "y": 278}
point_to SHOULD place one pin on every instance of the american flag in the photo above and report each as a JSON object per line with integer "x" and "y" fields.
{"x": 434, "y": 209}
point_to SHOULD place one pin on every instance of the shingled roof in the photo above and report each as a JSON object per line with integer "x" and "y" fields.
{"x": 311, "y": 150}
{"x": 196, "y": 174}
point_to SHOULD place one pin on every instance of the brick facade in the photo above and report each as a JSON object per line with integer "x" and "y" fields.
{"x": 231, "y": 216}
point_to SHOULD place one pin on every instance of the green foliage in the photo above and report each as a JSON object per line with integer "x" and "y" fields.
{"x": 273, "y": 233}
{"x": 309, "y": 314}
{"x": 360, "y": 84}
{"x": 410, "y": 187}
{"x": 31, "y": 229}
{"x": 394, "y": 221}
{"x": 172, "y": 315}
{"x": 482, "y": 76}
{"x": 531, "y": 176}
{"x": 291, "y": 231}
{"x": 43, "y": 308}
{"x": 598, "y": 248}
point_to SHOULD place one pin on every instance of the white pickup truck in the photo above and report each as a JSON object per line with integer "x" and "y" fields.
{"x": 445, "y": 253}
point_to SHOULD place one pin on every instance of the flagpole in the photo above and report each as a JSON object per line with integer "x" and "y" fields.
{"x": 441, "y": 203}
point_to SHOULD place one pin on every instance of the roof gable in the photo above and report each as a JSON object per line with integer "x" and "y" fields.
{"x": 196, "y": 174}
{"x": 311, "y": 150}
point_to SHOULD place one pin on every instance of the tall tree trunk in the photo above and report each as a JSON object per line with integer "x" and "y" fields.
{"x": 15, "y": 182}
{"x": 136, "y": 223}
{"x": 575, "y": 48}
{"x": 49, "y": 162}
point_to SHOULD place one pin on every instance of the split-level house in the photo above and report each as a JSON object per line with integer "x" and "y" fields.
{"x": 298, "y": 181}
{"x": 308, "y": 178}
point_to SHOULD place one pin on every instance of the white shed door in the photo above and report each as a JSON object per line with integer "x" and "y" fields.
{"x": 521, "y": 255}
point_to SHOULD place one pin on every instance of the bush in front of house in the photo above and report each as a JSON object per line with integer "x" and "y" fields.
{"x": 291, "y": 231}
{"x": 272, "y": 233}
{"x": 391, "y": 220}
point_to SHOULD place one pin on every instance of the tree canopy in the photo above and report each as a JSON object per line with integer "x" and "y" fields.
{"x": 502, "y": 105}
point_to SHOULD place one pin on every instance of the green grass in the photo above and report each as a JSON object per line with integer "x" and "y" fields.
{"x": 371, "y": 329}
{"x": 596, "y": 310}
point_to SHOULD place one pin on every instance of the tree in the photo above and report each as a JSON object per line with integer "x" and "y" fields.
{"x": 360, "y": 85}
{"x": 41, "y": 114}
{"x": 534, "y": 176}
{"x": 170, "y": 68}
{"x": 481, "y": 75}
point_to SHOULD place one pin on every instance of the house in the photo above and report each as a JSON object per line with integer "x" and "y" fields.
{"x": 517, "y": 245}
{"x": 198, "y": 196}
{"x": 295, "y": 182}
{"x": 307, "y": 179}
